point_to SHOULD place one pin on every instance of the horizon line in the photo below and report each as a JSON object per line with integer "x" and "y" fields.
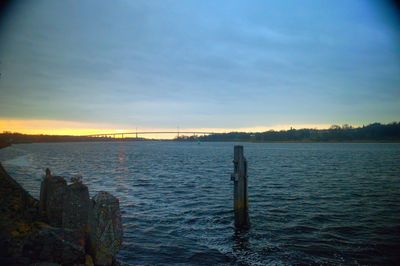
{"x": 184, "y": 132}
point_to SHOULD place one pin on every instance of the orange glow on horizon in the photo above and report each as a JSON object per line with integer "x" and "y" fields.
{"x": 55, "y": 127}
{"x": 60, "y": 127}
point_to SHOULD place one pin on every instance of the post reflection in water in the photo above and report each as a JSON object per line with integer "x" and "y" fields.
{"x": 241, "y": 240}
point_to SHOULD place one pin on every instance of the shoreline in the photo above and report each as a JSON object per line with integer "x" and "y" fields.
{"x": 372, "y": 133}
{"x": 5, "y": 145}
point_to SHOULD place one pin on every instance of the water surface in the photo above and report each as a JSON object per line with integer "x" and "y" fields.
{"x": 310, "y": 203}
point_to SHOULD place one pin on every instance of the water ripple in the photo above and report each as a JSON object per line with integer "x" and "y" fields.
{"x": 309, "y": 203}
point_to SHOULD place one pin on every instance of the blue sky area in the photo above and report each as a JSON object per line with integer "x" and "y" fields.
{"x": 200, "y": 64}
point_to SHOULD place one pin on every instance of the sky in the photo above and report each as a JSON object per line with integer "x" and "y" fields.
{"x": 76, "y": 67}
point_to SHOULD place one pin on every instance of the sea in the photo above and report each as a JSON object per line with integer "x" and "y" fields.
{"x": 309, "y": 203}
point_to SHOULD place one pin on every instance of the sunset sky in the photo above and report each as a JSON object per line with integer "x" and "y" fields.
{"x": 77, "y": 67}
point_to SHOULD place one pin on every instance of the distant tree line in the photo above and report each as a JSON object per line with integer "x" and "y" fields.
{"x": 374, "y": 132}
{"x": 8, "y": 138}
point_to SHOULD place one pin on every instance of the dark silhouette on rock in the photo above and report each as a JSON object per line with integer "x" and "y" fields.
{"x": 105, "y": 228}
{"x": 48, "y": 172}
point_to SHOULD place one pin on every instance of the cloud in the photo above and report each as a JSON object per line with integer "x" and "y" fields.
{"x": 199, "y": 63}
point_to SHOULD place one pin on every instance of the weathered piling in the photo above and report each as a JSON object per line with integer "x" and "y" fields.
{"x": 240, "y": 201}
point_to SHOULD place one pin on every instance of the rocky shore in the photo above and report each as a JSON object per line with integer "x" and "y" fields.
{"x": 64, "y": 227}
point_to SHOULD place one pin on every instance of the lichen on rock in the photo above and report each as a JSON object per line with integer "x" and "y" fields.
{"x": 105, "y": 228}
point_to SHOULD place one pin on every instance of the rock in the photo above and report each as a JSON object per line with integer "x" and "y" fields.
{"x": 14, "y": 261}
{"x": 45, "y": 264}
{"x": 55, "y": 198}
{"x": 43, "y": 192}
{"x": 88, "y": 261}
{"x": 52, "y": 191}
{"x": 18, "y": 211}
{"x": 76, "y": 207}
{"x": 27, "y": 240}
{"x": 55, "y": 245}
{"x": 15, "y": 200}
{"x": 105, "y": 228}
{"x": 43, "y": 196}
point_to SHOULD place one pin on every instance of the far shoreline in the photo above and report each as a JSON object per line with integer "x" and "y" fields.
{"x": 5, "y": 145}
{"x": 372, "y": 133}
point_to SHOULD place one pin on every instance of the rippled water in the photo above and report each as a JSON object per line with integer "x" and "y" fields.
{"x": 309, "y": 203}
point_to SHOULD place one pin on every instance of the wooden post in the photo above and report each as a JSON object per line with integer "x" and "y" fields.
{"x": 239, "y": 177}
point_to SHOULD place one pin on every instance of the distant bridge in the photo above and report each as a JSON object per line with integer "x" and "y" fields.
{"x": 137, "y": 133}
